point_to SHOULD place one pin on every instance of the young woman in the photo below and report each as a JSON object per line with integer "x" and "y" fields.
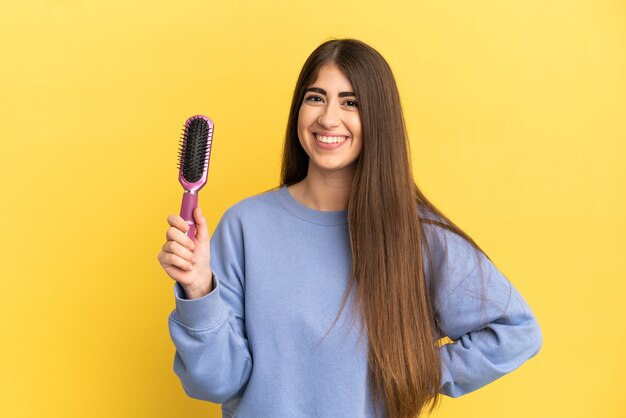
{"x": 329, "y": 296}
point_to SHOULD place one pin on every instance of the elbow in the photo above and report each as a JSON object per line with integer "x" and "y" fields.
{"x": 523, "y": 342}
{"x": 198, "y": 388}
{"x": 217, "y": 387}
{"x": 196, "y": 391}
{"x": 535, "y": 338}
{"x": 529, "y": 340}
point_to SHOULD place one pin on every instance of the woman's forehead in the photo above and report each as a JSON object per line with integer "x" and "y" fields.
{"x": 331, "y": 78}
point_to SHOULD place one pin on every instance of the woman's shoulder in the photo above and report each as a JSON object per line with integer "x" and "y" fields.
{"x": 251, "y": 207}
{"x": 450, "y": 254}
{"x": 437, "y": 226}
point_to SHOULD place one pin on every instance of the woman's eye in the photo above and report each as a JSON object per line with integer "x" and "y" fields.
{"x": 352, "y": 103}
{"x": 313, "y": 99}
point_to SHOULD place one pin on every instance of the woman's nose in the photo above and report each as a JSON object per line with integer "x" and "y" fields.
{"x": 330, "y": 116}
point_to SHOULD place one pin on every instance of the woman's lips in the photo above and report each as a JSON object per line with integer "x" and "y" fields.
{"x": 330, "y": 142}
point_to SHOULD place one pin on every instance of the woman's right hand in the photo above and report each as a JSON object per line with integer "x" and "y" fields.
{"x": 185, "y": 260}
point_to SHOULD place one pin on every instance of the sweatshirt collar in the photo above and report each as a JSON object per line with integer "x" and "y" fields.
{"x": 332, "y": 217}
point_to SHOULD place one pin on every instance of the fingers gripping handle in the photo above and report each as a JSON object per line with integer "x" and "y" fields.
{"x": 190, "y": 203}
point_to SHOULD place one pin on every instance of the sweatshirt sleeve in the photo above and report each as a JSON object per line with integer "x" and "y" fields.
{"x": 492, "y": 328}
{"x": 212, "y": 359}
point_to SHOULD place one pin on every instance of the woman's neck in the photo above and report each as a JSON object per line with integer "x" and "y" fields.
{"x": 328, "y": 192}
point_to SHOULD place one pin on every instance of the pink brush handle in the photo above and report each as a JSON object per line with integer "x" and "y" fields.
{"x": 190, "y": 202}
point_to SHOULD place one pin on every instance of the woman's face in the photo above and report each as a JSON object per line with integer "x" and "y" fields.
{"x": 329, "y": 123}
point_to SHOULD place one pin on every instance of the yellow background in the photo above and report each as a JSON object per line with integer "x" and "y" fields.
{"x": 516, "y": 112}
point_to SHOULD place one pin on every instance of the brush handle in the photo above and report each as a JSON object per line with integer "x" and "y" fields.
{"x": 190, "y": 203}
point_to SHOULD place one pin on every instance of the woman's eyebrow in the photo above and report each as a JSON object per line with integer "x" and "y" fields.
{"x": 322, "y": 91}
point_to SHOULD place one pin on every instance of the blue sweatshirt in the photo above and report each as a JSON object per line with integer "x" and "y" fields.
{"x": 255, "y": 343}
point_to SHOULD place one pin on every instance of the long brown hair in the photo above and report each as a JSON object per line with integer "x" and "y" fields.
{"x": 386, "y": 232}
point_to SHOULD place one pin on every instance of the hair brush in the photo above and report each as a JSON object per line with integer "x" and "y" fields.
{"x": 193, "y": 164}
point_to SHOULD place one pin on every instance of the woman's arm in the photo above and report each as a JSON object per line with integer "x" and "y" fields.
{"x": 492, "y": 327}
{"x": 212, "y": 358}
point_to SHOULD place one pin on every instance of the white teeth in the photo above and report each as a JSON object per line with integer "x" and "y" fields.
{"x": 330, "y": 139}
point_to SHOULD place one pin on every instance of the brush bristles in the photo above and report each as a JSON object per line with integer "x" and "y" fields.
{"x": 195, "y": 149}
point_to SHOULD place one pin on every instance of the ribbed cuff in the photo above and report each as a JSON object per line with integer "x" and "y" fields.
{"x": 201, "y": 313}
